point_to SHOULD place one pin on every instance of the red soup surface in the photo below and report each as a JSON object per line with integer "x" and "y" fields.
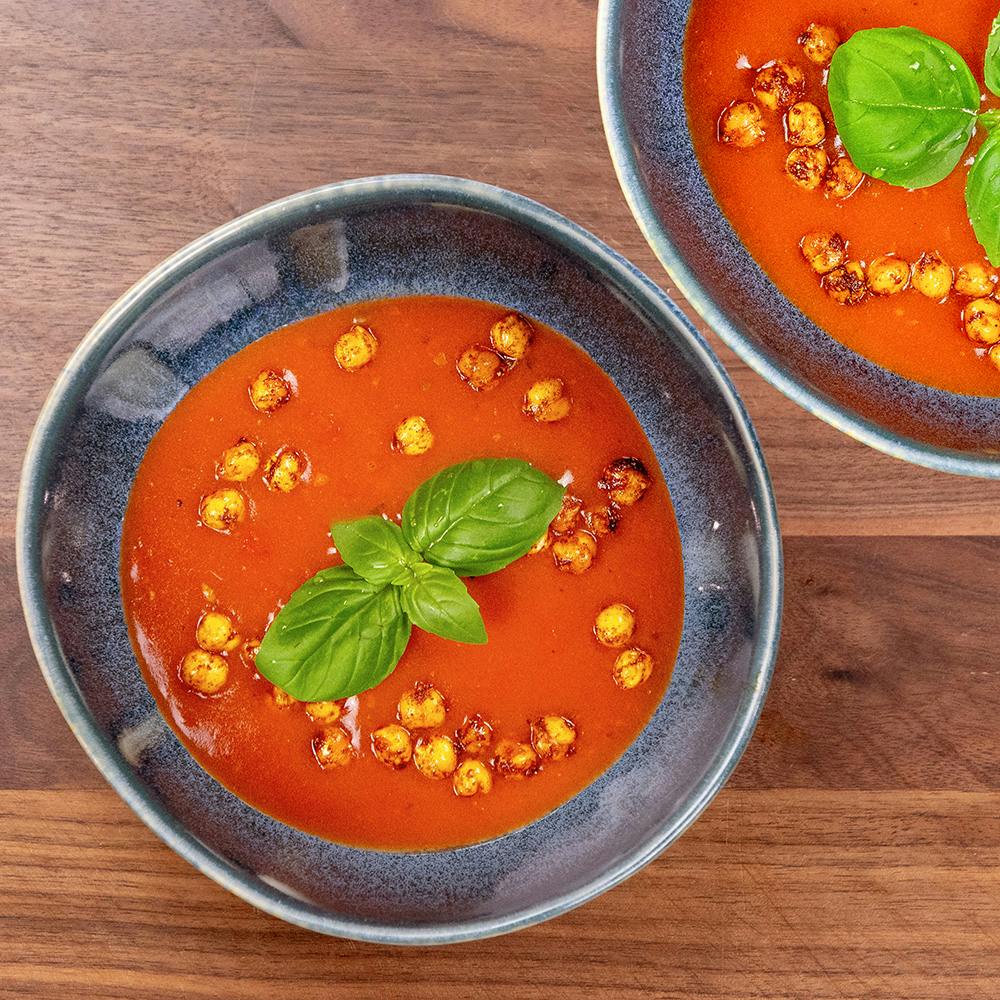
{"x": 909, "y": 333}
{"x": 542, "y": 657}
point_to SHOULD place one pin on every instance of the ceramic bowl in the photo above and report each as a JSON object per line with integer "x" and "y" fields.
{"x": 640, "y": 65}
{"x": 302, "y": 255}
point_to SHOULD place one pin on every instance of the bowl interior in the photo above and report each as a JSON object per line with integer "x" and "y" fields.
{"x": 641, "y": 57}
{"x": 300, "y": 257}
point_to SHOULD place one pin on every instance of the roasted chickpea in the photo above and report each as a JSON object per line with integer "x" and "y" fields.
{"x": 284, "y": 470}
{"x": 846, "y": 284}
{"x": 819, "y": 42}
{"x": 392, "y": 745}
{"x": 547, "y": 401}
{"x": 435, "y": 757}
{"x": 932, "y": 276}
{"x": 413, "y": 436}
{"x": 843, "y": 178}
{"x": 223, "y": 510}
{"x": 982, "y": 321}
{"x": 514, "y": 759}
{"x": 888, "y": 275}
{"x": 778, "y": 85}
{"x": 356, "y": 348}
{"x": 603, "y": 521}
{"x": 204, "y": 672}
{"x": 472, "y": 777}
{"x": 994, "y": 355}
{"x": 422, "y": 708}
{"x": 823, "y": 250}
{"x": 269, "y": 390}
{"x": 282, "y": 698}
{"x": 741, "y": 125}
{"x": 614, "y": 625}
{"x": 511, "y": 336}
{"x": 332, "y": 748}
{"x": 216, "y": 632}
{"x": 543, "y": 543}
{"x": 553, "y": 737}
{"x": 575, "y": 552}
{"x": 325, "y": 712}
{"x": 806, "y": 165}
{"x": 569, "y": 515}
{"x": 632, "y": 667}
{"x": 474, "y": 735}
{"x": 975, "y": 280}
{"x": 804, "y": 125}
{"x": 480, "y": 367}
{"x": 238, "y": 463}
{"x": 625, "y": 480}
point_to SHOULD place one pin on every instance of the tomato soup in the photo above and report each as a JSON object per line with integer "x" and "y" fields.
{"x": 920, "y": 337}
{"x": 542, "y": 659}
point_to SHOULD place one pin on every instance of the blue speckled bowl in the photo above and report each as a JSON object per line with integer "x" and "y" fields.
{"x": 640, "y": 46}
{"x": 395, "y": 236}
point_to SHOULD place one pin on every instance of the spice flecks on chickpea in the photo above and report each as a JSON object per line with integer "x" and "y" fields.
{"x": 632, "y": 667}
{"x": 819, "y": 42}
{"x": 324, "y": 712}
{"x": 804, "y": 125}
{"x": 269, "y": 390}
{"x": 981, "y": 318}
{"x": 778, "y": 85}
{"x": 413, "y": 436}
{"x": 514, "y": 759}
{"x": 846, "y": 284}
{"x": 356, "y": 348}
{"x": 282, "y": 698}
{"x": 569, "y": 514}
{"x": 975, "y": 280}
{"x": 422, "y": 708}
{"x": 932, "y": 276}
{"x": 625, "y": 480}
{"x": 480, "y": 367}
{"x": 603, "y": 521}
{"x": 575, "y": 552}
{"x": 239, "y": 462}
{"x": 553, "y": 737}
{"x": 472, "y": 777}
{"x": 216, "y": 632}
{"x": 547, "y": 401}
{"x": 333, "y": 748}
{"x": 435, "y": 757}
{"x": 842, "y": 179}
{"x": 888, "y": 275}
{"x": 614, "y": 625}
{"x": 204, "y": 672}
{"x": 741, "y": 125}
{"x": 284, "y": 470}
{"x": 223, "y": 510}
{"x": 392, "y": 745}
{"x": 474, "y": 735}
{"x": 806, "y": 165}
{"x": 512, "y": 336}
{"x": 823, "y": 250}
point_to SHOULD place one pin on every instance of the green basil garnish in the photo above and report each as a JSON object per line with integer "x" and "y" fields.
{"x": 992, "y": 71}
{"x": 982, "y": 195}
{"x": 438, "y": 602}
{"x": 375, "y": 549}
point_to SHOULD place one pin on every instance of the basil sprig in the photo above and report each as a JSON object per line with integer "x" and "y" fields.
{"x": 992, "y": 70}
{"x": 982, "y": 192}
{"x": 344, "y": 631}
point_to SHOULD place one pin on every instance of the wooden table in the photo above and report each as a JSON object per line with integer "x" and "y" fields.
{"x": 855, "y": 851}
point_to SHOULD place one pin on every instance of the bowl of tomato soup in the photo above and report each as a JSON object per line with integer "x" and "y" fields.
{"x": 404, "y": 559}
{"x": 738, "y": 176}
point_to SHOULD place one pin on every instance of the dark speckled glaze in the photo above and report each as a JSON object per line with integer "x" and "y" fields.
{"x": 640, "y": 49}
{"x": 303, "y": 255}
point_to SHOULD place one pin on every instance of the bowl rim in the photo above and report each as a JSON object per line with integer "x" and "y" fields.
{"x": 732, "y": 332}
{"x": 413, "y": 189}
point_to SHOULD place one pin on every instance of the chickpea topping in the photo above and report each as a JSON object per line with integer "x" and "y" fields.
{"x": 332, "y": 748}
{"x": 435, "y": 757}
{"x": 547, "y": 401}
{"x": 846, "y": 284}
{"x": 626, "y": 481}
{"x": 741, "y": 125}
{"x": 603, "y": 521}
{"x": 632, "y": 667}
{"x": 614, "y": 625}
{"x": 324, "y": 712}
{"x": 422, "y": 708}
{"x": 392, "y": 745}
{"x": 553, "y": 737}
{"x": 824, "y": 250}
{"x": 888, "y": 275}
{"x": 514, "y": 759}
{"x": 975, "y": 280}
{"x": 804, "y": 125}
{"x": 568, "y": 517}
{"x": 223, "y": 510}
{"x": 982, "y": 322}
{"x": 474, "y": 735}
{"x": 994, "y": 355}
{"x": 283, "y": 471}
{"x": 778, "y": 85}
{"x": 819, "y": 42}
{"x": 511, "y": 336}
{"x": 238, "y": 463}
{"x": 282, "y": 698}
{"x": 204, "y": 672}
{"x": 932, "y": 276}
{"x": 356, "y": 348}
{"x": 472, "y": 777}
{"x": 843, "y": 178}
{"x": 413, "y": 436}
{"x": 806, "y": 165}
{"x": 269, "y": 390}
{"x": 541, "y": 545}
{"x": 216, "y": 632}
{"x": 480, "y": 367}
{"x": 575, "y": 552}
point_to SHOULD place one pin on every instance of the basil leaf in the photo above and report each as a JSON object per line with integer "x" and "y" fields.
{"x": 375, "y": 549}
{"x": 905, "y": 104}
{"x": 982, "y": 196}
{"x": 477, "y": 517}
{"x": 993, "y": 57}
{"x": 338, "y": 635}
{"x": 438, "y": 602}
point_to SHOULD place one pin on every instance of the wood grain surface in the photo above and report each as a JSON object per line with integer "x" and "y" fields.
{"x": 855, "y": 851}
